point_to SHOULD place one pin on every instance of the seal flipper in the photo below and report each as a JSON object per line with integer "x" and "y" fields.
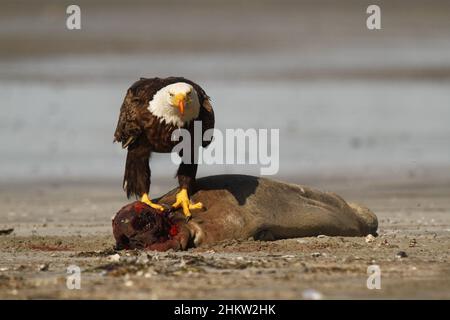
{"x": 368, "y": 218}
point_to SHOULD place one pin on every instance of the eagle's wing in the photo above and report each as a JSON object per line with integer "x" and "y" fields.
{"x": 206, "y": 116}
{"x": 129, "y": 126}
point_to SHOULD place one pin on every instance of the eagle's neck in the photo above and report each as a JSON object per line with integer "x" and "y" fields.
{"x": 160, "y": 108}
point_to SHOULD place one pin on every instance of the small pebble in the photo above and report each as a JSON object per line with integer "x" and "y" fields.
{"x": 311, "y": 294}
{"x": 129, "y": 283}
{"x": 316, "y": 254}
{"x": 43, "y": 267}
{"x": 370, "y": 238}
{"x": 401, "y": 254}
{"x": 114, "y": 258}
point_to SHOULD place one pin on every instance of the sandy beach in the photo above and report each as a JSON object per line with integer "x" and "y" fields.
{"x": 361, "y": 113}
{"x": 61, "y": 224}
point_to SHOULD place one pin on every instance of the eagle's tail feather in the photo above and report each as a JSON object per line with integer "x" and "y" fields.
{"x": 136, "y": 180}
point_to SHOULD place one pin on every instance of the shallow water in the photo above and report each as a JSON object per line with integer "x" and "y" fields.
{"x": 55, "y": 129}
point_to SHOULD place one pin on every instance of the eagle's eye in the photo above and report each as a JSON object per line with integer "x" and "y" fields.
{"x": 171, "y": 94}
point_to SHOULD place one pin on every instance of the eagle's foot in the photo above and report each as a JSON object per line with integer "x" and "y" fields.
{"x": 182, "y": 200}
{"x": 147, "y": 201}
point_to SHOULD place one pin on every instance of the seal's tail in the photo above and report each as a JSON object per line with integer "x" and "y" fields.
{"x": 368, "y": 218}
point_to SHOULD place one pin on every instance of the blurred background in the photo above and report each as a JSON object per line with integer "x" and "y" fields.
{"x": 350, "y": 103}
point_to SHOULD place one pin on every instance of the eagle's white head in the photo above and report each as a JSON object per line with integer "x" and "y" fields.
{"x": 176, "y": 103}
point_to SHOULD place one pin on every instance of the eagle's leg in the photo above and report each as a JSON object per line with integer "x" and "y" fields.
{"x": 136, "y": 180}
{"x": 145, "y": 199}
{"x": 186, "y": 176}
{"x": 183, "y": 201}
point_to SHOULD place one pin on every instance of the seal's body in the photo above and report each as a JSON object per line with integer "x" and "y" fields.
{"x": 240, "y": 207}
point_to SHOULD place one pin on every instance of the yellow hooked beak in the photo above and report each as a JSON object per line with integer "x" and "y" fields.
{"x": 180, "y": 101}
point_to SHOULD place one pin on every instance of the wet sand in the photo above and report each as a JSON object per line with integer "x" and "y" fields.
{"x": 61, "y": 224}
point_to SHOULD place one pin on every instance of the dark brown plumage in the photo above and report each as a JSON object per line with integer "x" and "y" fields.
{"x": 142, "y": 133}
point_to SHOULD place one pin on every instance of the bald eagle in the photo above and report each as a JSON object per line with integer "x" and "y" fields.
{"x": 152, "y": 109}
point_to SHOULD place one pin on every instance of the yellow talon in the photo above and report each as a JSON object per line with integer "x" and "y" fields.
{"x": 146, "y": 200}
{"x": 193, "y": 206}
{"x": 182, "y": 200}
